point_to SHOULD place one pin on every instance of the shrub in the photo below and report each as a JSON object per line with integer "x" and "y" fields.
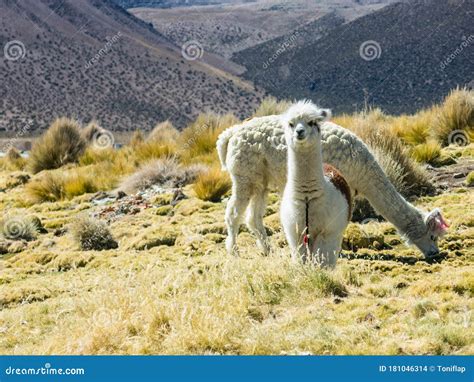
{"x": 199, "y": 138}
{"x": 456, "y": 113}
{"x": 92, "y": 234}
{"x": 162, "y": 172}
{"x": 93, "y": 156}
{"x": 470, "y": 179}
{"x": 163, "y": 132}
{"x": 62, "y": 143}
{"x": 426, "y": 152}
{"x": 136, "y": 139}
{"x": 17, "y": 227}
{"x": 212, "y": 185}
{"x": 271, "y": 106}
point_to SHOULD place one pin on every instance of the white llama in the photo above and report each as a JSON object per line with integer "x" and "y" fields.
{"x": 254, "y": 153}
{"x": 316, "y": 204}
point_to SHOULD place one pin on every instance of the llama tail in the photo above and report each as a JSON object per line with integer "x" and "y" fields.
{"x": 222, "y": 144}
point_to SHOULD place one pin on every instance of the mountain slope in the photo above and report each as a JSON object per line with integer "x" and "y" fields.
{"x": 91, "y": 59}
{"x": 409, "y": 71}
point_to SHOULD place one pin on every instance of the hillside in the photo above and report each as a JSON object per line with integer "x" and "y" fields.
{"x": 92, "y": 59}
{"x": 415, "y": 39}
{"x": 229, "y": 27}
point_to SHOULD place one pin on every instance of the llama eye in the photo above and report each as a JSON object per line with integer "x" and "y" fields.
{"x": 291, "y": 124}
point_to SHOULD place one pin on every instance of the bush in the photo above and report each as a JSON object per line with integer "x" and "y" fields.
{"x": 61, "y": 144}
{"x": 163, "y": 132}
{"x": 271, "y": 106}
{"x": 426, "y": 152}
{"x": 91, "y": 131}
{"x": 212, "y": 185}
{"x": 145, "y": 151}
{"x": 92, "y": 234}
{"x": 47, "y": 188}
{"x": 161, "y": 172}
{"x": 456, "y": 113}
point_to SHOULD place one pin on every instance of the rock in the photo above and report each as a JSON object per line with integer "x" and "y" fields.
{"x": 120, "y": 194}
{"x": 459, "y": 175}
{"x": 37, "y": 224}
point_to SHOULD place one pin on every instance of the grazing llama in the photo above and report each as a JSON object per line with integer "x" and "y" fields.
{"x": 316, "y": 204}
{"x": 254, "y": 153}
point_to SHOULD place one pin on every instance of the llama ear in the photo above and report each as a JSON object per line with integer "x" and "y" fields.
{"x": 436, "y": 223}
{"x": 324, "y": 115}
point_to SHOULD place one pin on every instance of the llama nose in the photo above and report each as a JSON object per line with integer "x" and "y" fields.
{"x": 299, "y": 133}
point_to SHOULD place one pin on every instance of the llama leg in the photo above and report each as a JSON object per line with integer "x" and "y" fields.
{"x": 326, "y": 251}
{"x": 255, "y": 213}
{"x": 234, "y": 213}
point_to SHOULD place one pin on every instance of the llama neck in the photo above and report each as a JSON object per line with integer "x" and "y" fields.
{"x": 305, "y": 171}
{"x": 392, "y": 205}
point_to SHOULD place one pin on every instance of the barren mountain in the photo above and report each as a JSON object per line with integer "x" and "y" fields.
{"x": 403, "y": 57}
{"x": 231, "y": 26}
{"x": 92, "y": 59}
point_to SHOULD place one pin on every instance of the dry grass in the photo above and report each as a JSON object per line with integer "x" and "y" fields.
{"x": 375, "y": 129}
{"x": 92, "y": 234}
{"x": 62, "y": 143}
{"x": 163, "y": 132}
{"x": 18, "y": 227}
{"x": 415, "y": 129}
{"x": 198, "y": 140}
{"x": 161, "y": 172}
{"x": 427, "y": 152}
{"x": 212, "y": 185}
{"x": 455, "y": 113}
{"x": 271, "y": 106}
{"x": 13, "y": 160}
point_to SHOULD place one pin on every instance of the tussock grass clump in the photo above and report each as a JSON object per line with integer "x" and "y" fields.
{"x": 136, "y": 139}
{"x": 199, "y": 138}
{"x": 426, "y": 152}
{"x": 415, "y": 129}
{"x": 91, "y": 131}
{"x": 212, "y": 185}
{"x": 405, "y": 174}
{"x": 61, "y": 144}
{"x": 161, "y": 172}
{"x": 145, "y": 151}
{"x": 16, "y": 227}
{"x": 92, "y": 234}
{"x": 60, "y": 185}
{"x": 455, "y": 113}
{"x": 13, "y": 160}
{"x": 271, "y": 106}
{"x": 163, "y": 132}
{"x": 470, "y": 179}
